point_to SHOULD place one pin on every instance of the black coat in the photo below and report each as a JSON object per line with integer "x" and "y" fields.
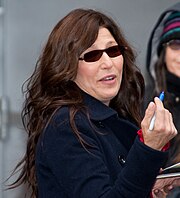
{"x": 114, "y": 165}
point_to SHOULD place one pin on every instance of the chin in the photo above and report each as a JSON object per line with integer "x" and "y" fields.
{"x": 110, "y": 96}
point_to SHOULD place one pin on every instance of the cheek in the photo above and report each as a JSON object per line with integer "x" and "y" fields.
{"x": 84, "y": 73}
{"x": 119, "y": 65}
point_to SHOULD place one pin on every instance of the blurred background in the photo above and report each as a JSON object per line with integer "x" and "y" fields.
{"x": 24, "y": 28}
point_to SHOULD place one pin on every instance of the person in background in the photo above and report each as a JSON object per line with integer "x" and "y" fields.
{"x": 163, "y": 67}
{"x": 82, "y": 114}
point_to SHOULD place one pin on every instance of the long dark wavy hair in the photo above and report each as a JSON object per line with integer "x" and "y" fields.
{"x": 51, "y": 85}
{"x": 160, "y": 68}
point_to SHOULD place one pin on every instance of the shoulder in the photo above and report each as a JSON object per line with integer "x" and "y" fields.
{"x": 60, "y": 129}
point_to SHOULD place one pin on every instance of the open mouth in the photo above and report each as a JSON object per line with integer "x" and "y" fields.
{"x": 108, "y": 78}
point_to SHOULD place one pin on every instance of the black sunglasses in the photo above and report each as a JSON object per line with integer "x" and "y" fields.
{"x": 95, "y": 55}
{"x": 174, "y": 44}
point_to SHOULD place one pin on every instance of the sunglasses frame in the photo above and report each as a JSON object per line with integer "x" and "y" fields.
{"x": 100, "y": 53}
{"x": 171, "y": 46}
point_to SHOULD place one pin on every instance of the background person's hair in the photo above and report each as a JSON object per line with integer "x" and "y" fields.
{"x": 51, "y": 85}
{"x": 160, "y": 70}
{"x": 170, "y": 31}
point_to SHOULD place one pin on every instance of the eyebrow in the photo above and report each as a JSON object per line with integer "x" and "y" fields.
{"x": 94, "y": 47}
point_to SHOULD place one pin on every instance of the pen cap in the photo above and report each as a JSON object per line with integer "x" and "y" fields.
{"x": 161, "y": 96}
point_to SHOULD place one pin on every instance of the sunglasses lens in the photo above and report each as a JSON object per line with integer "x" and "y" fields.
{"x": 174, "y": 44}
{"x": 113, "y": 51}
{"x": 93, "y": 56}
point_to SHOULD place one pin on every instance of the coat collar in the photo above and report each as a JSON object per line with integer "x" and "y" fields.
{"x": 97, "y": 110}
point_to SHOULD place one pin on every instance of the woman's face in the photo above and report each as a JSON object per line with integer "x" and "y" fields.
{"x": 102, "y": 78}
{"x": 172, "y": 59}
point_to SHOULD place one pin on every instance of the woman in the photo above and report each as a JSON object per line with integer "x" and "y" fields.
{"x": 82, "y": 113}
{"x": 163, "y": 66}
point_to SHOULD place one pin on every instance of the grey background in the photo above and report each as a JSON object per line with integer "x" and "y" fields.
{"x": 24, "y": 28}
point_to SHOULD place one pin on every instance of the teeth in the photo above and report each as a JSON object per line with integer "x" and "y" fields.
{"x": 109, "y": 78}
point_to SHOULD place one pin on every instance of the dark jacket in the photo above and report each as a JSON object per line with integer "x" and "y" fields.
{"x": 173, "y": 82}
{"x": 172, "y": 95}
{"x": 115, "y": 164}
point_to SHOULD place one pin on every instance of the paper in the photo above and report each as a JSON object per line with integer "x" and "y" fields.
{"x": 171, "y": 171}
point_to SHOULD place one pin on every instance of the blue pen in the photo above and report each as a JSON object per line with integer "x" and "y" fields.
{"x": 151, "y": 126}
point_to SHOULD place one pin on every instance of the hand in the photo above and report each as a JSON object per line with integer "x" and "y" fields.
{"x": 164, "y": 129}
{"x": 162, "y": 187}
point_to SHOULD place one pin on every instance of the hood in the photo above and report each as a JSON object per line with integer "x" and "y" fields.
{"x": 153, "y": 42}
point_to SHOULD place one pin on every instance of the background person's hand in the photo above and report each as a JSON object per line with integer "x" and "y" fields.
{"x": 164, "y": 129}
{"x": 162, "y": 187}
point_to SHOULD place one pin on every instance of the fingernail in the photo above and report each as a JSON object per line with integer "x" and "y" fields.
{"x": 170, "y": 187}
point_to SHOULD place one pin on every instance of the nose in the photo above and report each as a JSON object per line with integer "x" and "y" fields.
{"x": 106, "y": 61}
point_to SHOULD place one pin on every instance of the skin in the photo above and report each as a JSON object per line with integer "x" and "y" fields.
{"x": 163, "y": 187}
{"x": 164, "y": 130}
{"x": 92, "y": 77}
{"x": 172, "y": 59}
{"x": 102, "y": 80}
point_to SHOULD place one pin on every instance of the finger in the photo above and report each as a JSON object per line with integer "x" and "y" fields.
{"x": 172, "y": 124}
{"x": 162, "y": 118}
{"x": 148, "y": 116}
{"x": 167, "y": 120}
{"x": 167, "y": 188}
{"x": 159, "y": 193}
{"x": 176, "y": 182}
{"x": 158, "y": 103}
{"x": 150, "y": 110}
